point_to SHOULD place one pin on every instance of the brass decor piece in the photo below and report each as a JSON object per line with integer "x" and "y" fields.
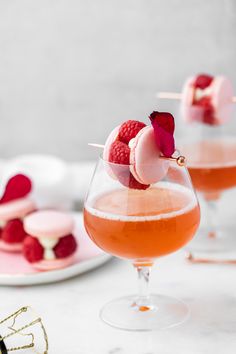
{"x": 23, "y": 329}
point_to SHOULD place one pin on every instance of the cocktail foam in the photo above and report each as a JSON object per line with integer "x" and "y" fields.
{"x": 191, "y": 203}
{"x": 226, "y": 143}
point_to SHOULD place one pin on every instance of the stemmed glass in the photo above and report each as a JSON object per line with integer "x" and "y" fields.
{"x": 211, "y": 160}
{"x": 141, "y": 226}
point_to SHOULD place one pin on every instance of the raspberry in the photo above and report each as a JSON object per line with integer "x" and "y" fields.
{"x": 32, "y": 249}
{"x": 65, "y": 247}
{"x": 13, "y": 231}
{"x": 119, "y": 153}
{"x": 203, "y": 81}
{"x": 128, "y": 130}
{"x": 127, "y": 179}
{"x": 208, "y": 116}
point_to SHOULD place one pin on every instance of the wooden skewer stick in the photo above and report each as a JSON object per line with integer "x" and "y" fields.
{"x": 170, "y": 95}
{"x": 178, "y": 96}
{"x": 180, "y": 159}
{"x": 100, "y": 146}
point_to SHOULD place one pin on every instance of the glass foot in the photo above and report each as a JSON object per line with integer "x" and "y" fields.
{"x": 207, "y": 247}
{"x": 164, "y": 312}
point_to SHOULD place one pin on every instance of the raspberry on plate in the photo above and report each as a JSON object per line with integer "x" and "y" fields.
{"x": 13, "y": 232}
{"x": 65, "y": 247}
{"x": 32, "y": 250}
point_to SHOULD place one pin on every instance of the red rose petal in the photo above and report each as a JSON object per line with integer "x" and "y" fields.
{"x": 164, "y": 125}
{"x": 17, "y": 187}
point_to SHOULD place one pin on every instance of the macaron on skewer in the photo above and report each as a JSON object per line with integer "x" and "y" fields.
{"x": 181, "y": 160}
{"x": 139, "y": 155}
{"x": 205, "y": 99}
{"x": 50, "y": 243}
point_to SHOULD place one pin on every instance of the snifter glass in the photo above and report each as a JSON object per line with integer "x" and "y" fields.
{"x": 141, "y": 226}
{"x": 210, "y": 151}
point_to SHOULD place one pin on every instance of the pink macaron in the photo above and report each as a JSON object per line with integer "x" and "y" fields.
{"x": 211, "y": 104}
{"x": 12, "y": 232}
{"x": 145, "y": 163}
{"x": 112, "y": 137}
{"x": 50, "y": 243}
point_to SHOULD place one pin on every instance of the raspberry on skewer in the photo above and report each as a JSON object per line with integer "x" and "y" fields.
{"x": 205, "y": 99}
{"x": 137, "y": 155}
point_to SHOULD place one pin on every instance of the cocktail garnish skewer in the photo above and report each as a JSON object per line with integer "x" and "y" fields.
{"x": 181, "y": 160}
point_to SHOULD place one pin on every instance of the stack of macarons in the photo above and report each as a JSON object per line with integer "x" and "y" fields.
{"x": 15, "y": 204}
{"x": 45, "y": 238}
{"x": 207, "y": 99}
{"x": 50, "y": 243}
{"x": 134, "y": 151}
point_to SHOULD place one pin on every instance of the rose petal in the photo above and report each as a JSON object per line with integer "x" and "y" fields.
{"x": 163, "y": 124}
{"x": 165, "y": 120}
{"x": 17, "y": 187}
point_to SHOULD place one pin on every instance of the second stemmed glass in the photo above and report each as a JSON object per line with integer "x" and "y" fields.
{"x": 211, "y": 160}
{"x": 141, "y": 226}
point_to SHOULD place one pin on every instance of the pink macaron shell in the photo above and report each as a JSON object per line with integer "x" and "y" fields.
{"x": 193, "y": 113}
{"x": 48, "y": 223}
{"x": 106, "y": 151}
{"x": 145, "y": 163}
{"x": 11, "y": 247}
{"x": 111, "y": 138}
{"x": 188, "y": 112}
{"x": 54, "y": 264}
{"x": 222, "y": 93}
{"x": 16, "y": 209}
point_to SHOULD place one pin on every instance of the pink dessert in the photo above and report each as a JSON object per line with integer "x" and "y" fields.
{"x": 207, "y": 99}
{"x": 135, "y": 151}
{"x": 50, "y": 243}
{"x": 15, "y": 204}
{"x": 145, "y": 163}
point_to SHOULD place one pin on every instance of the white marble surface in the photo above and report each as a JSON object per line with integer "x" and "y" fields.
{"x": 70, "y": 309}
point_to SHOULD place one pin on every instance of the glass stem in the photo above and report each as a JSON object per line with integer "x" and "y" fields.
{"x": 143, "y": 299}
{"x": 212, "y": 218}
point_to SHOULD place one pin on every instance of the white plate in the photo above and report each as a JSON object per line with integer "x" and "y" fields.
{"x": 15, "y": 270}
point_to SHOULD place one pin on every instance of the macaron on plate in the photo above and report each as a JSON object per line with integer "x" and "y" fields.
{"x": 15, "y": 270}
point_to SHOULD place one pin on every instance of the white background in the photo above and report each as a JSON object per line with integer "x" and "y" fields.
{"x": 72, "y": 69}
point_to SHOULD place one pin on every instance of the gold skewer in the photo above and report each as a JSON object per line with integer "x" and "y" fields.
{"x": 181, "y": 160}
{"x": 178, "y": 96}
